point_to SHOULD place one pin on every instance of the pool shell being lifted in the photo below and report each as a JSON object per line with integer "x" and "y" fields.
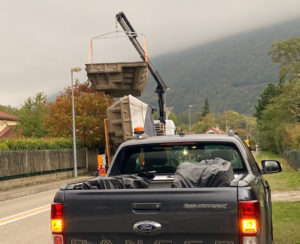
{"x": 118, "y": 79}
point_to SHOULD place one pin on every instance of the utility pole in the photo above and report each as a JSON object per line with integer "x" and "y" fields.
{"x": 75, "y": 69}
{"x": 190, "y": 106}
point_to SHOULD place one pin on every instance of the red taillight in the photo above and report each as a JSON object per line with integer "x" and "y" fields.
{"x": 248, "y": 208}
{"x": 57, "y": 210}
{"x": 249, "y": 214}
{"x": 58, "y": 239}
{"x": 57, "y": 222}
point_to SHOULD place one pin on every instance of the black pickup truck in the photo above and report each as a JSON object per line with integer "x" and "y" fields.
{"x": 161, "y": 214}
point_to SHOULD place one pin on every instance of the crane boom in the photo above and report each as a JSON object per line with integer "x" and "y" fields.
{"x": 161, "y": 86}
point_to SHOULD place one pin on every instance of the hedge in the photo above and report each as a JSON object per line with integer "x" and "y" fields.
{"x": 37, "y": 144}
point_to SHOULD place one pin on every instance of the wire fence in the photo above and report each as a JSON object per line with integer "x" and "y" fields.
{"x": 293, "y": 157}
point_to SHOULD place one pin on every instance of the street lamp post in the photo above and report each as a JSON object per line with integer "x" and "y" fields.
{"x": 75, "y": 69}
{"x": 190, "y": 106}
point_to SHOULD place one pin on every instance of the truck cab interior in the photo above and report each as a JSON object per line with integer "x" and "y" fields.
{"x": 165, "y": 158}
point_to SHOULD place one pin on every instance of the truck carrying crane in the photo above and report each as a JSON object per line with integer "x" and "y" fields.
{"x": 126, "y": 80}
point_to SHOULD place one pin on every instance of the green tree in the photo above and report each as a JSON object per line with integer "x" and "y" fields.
{"x": 31, "y": 116}
{"x": 230, "y": 118}
{"x": 287, "y": 54}
{"x": 196, "y": 117}
{"x": 203, "y": 125}
{"x": 183, "y": 118}
{"x": 205, "y": 110}
{"x": 244, "y": 125}
{"x": 279, "y": 118}
{"x": 172, "y": 116}
{"x": 292, "y": 138}
{"x": 251, "y": 126}
{"x": 271, "y": 91}
{"x": 279, "y": 112}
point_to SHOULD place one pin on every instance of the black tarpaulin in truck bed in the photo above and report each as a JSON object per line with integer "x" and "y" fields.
{"x": 207, "y": 173}
{"x": 141, "y": 180}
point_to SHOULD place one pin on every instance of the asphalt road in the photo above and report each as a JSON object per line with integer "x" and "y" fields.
{"x": 25, "y": 212}
{"x": 26, "y": 219}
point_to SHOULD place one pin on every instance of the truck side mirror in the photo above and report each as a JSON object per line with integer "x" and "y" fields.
{"x": 271, "y": 166}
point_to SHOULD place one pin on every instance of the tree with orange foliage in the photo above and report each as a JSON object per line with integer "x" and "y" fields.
{"x": 90, "y": 112}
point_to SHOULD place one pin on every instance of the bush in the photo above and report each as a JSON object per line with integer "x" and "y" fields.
{"x": 3, "y": 147}
{"x": 37, "y": 144}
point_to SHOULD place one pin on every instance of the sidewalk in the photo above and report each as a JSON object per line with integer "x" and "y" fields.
{"x": 33, "y": 189}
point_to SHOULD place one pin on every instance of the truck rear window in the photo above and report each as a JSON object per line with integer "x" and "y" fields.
{"x": 164, "y": 158}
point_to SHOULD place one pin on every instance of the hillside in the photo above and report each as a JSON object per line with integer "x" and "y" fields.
{"x": 230, "y": 72}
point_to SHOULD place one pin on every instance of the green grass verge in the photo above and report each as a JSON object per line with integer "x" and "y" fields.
{"x": 288, "y": 179}
{"x": 284, "y": 181}
{"x": 286, "y": 222}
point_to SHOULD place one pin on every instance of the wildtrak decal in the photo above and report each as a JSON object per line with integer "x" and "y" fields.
{"x": 204, "y": 205}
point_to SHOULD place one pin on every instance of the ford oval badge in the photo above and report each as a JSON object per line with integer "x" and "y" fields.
{"x": 146, "y": 227}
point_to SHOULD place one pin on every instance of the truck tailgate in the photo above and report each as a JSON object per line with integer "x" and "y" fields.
{"x": 198, "y": 215}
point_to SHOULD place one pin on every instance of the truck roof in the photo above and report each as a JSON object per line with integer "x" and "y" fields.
{"x": 184, "y": 138}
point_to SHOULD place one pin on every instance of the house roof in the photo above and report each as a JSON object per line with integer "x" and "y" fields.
{"x": 215, "y": 130}
{"x": 6, "y": 116}
{"x": 4, "y": 132}
{"x": 7, "y": 132}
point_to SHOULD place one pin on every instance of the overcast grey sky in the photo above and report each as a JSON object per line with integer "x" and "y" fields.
{"x": 41, "y": 40}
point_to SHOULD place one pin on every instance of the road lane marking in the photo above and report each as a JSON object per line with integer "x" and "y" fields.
{"x": 24, "y": 215}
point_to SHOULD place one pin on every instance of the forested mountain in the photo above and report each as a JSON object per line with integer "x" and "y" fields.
{"x": 230, "y": 72}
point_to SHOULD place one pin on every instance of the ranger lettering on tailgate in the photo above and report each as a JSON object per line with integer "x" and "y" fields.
{"x": 165, "y": 242}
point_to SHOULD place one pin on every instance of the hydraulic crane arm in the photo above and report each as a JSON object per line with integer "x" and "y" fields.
{"x": 161, "y": 86}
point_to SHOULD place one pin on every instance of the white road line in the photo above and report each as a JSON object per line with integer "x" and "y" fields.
{"x": 24, "y": 215}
